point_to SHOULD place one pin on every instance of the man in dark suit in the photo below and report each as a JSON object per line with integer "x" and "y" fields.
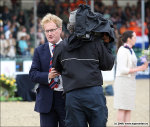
{"x": 49, "y": 101}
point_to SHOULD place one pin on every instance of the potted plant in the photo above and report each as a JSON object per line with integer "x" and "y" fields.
{"x": 7, "y": 87}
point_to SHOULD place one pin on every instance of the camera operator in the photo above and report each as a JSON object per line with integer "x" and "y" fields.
{"x": 80, "y": 61}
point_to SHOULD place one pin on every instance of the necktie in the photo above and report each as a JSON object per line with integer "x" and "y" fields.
{"x": 53, "y": 84}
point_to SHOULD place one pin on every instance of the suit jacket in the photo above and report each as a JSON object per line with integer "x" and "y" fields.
{"x": 39, "y": 74}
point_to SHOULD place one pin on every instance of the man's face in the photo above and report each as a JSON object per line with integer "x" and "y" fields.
{"x": 52, "y": 32}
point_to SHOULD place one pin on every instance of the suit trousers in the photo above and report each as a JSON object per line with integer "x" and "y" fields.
{"x": 57, "y": 113}
{"x": 86, "y": 106}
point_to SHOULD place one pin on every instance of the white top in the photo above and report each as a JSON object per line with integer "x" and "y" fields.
{"x": 60, "y": 87}
{"x": 125, "y": 61}
{"x": 125, "y": 83}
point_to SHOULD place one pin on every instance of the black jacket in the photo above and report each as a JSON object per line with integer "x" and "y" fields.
{"x": 81, "y": 66}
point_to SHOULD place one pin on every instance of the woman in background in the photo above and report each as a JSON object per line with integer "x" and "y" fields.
{"x": 125, "y": 83}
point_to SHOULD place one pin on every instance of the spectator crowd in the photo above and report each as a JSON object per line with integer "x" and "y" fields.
{"x": 17, "y": 24}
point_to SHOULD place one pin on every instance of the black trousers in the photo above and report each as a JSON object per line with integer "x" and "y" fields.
{"x": 86, "y": 106}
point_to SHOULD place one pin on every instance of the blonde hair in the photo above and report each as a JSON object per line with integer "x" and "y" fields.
{"x": 51, "y": 18}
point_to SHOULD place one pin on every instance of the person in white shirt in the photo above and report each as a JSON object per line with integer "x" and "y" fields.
{"x": 12, "y": 46}
{"x": 125, "y": 82}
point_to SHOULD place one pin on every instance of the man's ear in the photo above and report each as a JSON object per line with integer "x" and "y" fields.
{"x": 60, "y": 28}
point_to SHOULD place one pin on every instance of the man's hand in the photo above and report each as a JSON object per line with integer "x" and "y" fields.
{"x": 53, "y": 73}
{"x": 106, "y": 38}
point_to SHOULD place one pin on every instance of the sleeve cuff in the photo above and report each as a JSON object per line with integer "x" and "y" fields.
{"x": 49, "y": 80}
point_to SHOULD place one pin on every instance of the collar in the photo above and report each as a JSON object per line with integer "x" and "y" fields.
{"x": 50, "y": 44}
{"x": 127, "y": 46}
